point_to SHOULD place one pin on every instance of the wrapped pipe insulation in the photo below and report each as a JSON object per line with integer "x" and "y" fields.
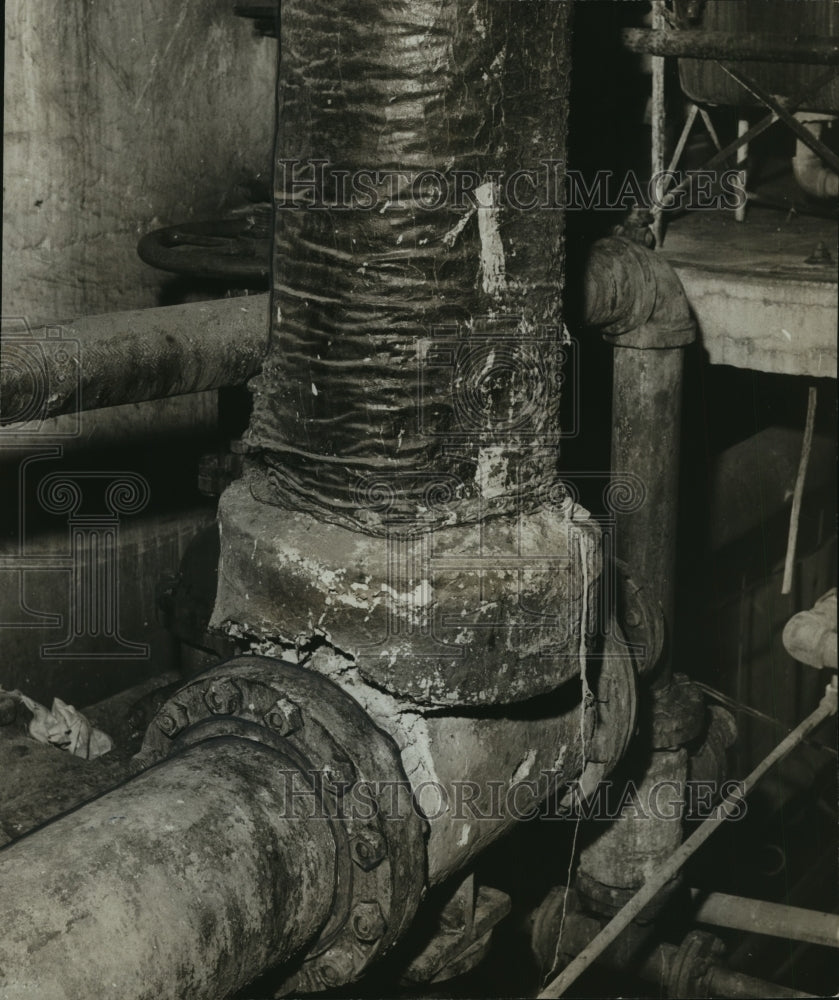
{"x": 416, "y": 351}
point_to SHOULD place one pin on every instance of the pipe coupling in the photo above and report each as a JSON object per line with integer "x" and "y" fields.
{"x": 347, "y": 768}
{"x": 635, "y": 296}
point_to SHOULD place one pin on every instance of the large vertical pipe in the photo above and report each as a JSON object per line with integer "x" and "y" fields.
{"x": 416, "y": 345}
{"x": 185, "y": 882}
{"x": 410, "y": 392}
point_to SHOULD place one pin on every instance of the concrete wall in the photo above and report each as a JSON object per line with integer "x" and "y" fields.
{"x": 120, "y": 118}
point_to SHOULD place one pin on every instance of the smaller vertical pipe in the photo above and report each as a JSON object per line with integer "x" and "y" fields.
{"x": 636, "y": 844}
{"x": 646, "y": 436}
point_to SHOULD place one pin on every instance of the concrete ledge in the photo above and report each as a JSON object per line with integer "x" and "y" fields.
{"x": 781, "y": 325}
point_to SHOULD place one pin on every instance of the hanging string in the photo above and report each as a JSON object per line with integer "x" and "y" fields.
{"x": 586, "y": 553}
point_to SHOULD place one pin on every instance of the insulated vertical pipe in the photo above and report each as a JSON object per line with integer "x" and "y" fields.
{"x": 417, "y": 345}
{"x": 185, "y": 882}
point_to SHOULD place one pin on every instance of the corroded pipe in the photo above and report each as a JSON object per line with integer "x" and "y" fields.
{"x": 637, "y": 299}
{"x": 131, "y": 357}
{"x": 187, "y": 881}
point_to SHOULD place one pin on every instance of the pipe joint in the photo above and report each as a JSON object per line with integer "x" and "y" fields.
{"x": 678, "y": 713}
{"x": 636, "y": 297}
{"x": 344, "y": 770}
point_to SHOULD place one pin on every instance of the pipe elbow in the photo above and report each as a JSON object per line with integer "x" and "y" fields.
{"x": 813, "y": 176}
{"x": 635, "y": 296}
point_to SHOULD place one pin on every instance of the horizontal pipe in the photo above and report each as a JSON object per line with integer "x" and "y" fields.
{"x": 132, "y": 357}
{"x": 666, "y": 965}
{"x": 185, "y": 882}
{"x": 724, "y": 982}
{"x": 717, "y": 981}
{"x": 808, "y": 50}
{"x": 773, "y": 919}
{"x": 813, "y": 176}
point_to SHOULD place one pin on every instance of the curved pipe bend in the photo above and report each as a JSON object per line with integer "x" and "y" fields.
{"x": 813, "y": 176}
{"x": 634, "y": 294}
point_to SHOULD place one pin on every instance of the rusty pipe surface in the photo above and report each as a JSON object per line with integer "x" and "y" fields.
{"x": 638, "y": 301}
{"x": 646, "y": 438}
{"x": 131, "y": 357}
{"x": 186, "y": 881}
{"x": 635, "y": 295}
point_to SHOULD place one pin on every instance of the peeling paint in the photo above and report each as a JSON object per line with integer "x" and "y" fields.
{"x": 493, "y": 267}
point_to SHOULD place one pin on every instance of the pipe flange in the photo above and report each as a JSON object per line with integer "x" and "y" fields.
{"x": 697, "y": 953}
{"x": 678, "y": 713}
{"x": 607, "y": 900}
{"x": 327, "y": 737}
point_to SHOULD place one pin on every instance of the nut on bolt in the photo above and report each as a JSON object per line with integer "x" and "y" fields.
{"x": 337, "y": 969}
{"x": 368, "y": 848}
{"x": 284, "y": 717}
{"x": 367, "y": 921}
{"x": 223, "y": 697}
{"x": 172, "y": 720}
